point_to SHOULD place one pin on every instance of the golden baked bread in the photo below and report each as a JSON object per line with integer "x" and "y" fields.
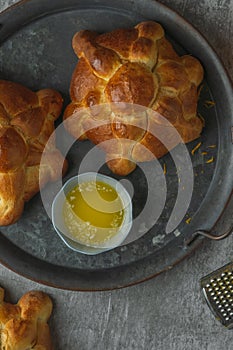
{"x": 24, "y": 326}
{"x": 26, "y": 123}
{"x": 135, "y": 66}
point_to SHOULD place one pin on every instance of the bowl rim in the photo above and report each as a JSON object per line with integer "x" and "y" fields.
{"x": 124, "y": 228}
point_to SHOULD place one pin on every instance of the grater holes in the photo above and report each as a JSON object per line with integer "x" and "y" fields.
{"x": 219, "y": 291}
{"x": 222, "y": 298}
{"x": 226, "y": 311}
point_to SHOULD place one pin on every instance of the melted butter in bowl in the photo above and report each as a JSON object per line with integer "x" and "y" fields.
{"x": 92, "y": 213}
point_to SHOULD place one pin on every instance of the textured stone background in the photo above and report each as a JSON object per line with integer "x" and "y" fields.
{"x": 168, "y": 312}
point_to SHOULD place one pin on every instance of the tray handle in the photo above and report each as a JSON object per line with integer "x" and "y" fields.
{"x": 209, "y": 235}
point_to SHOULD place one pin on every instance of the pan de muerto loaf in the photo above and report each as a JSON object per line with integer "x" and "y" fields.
{"x": 24, "y": 326}
{"x": 135, "y": 66}
{"x": 26, "y": 124}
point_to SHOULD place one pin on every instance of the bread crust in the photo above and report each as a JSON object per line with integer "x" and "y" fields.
{"x": 24, "y": 325}
{"x": 26, "y": 124}
{"x": 136, "y": 66}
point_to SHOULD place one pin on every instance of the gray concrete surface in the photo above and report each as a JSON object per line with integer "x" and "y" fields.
{"x": 168, "y": 312}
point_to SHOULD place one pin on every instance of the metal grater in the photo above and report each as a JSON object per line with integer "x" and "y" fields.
{"x": 218, "y": 291}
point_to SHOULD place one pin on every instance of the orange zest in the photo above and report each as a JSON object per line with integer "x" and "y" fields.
{"x": 210, "y": 160}
{"x": 196, "y": 148}
{"x": 209, "y": 104}
{"x": 164, "y": 169}
{"x": 188, "y": 220}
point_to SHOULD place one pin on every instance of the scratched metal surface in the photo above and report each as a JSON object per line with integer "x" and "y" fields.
{"x": 167, "y": 312}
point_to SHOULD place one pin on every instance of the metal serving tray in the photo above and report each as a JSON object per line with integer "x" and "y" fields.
{"x": 35, "y": 50}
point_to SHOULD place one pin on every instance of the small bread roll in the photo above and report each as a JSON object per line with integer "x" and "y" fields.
{"x": 24, "y": 325}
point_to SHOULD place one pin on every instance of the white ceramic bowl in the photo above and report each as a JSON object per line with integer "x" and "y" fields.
{"x": 62, "y": 230}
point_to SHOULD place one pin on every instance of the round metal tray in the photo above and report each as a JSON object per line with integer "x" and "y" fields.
{"x": 35, "y": 50}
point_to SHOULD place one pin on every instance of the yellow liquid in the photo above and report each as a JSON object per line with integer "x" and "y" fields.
{"x": 93, "y": 212}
